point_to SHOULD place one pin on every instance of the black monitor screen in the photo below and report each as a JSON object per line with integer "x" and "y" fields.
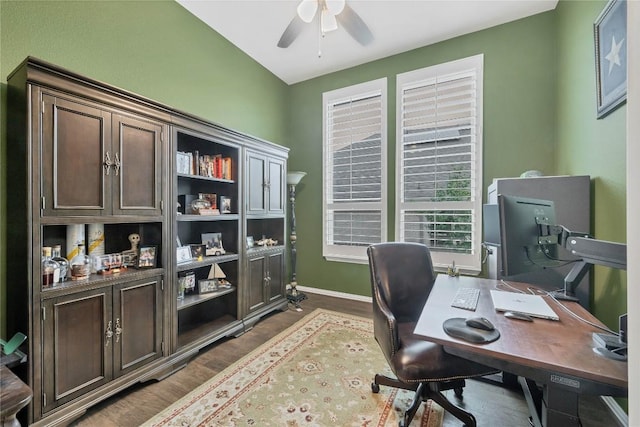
{"x": 521, "y": 252}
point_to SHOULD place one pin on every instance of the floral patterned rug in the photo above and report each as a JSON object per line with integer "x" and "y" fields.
{"x": 318, "y": 372}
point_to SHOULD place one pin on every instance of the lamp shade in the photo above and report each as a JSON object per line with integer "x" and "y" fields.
{"x": 293, "y": 178}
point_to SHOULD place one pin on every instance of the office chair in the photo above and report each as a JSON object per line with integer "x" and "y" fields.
{"x": 402, "y": 277}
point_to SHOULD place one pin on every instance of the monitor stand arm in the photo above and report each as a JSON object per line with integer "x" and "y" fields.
{"x": 591, "y": 251}
{"x": 571, "y": 281}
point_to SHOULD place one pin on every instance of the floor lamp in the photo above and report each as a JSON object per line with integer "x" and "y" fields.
{"x": 293, "y": 295}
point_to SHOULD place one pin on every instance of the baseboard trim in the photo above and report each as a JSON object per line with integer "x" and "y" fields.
{"x": 618, "y": 413}
{"x": 335, "y": 294}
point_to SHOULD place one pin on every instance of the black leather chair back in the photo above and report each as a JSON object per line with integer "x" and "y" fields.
{"x": 402, "y": 276}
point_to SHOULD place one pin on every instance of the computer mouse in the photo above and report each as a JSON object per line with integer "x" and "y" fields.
{"x": 518, "y": 316}
{"x": 479, "y": 323}
{"x": 466, "y": 334}
{"x": 457, "y": 328}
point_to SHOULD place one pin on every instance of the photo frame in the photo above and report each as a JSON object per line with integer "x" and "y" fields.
{"x": 198, "y": 251}
{"x": 183, "y": 254}
{"x": 610, "y": 36}
{"x": 211, "y": 198}
{"x": 225, "y": 205}
{"x": 183, "y": 163}
{"x": 147, "y": 257}
{"x": 207, "y": 285}
{"x": 188, "y": 282}
{"x": 213, "y": 244}
{"x": 250, "y": 242}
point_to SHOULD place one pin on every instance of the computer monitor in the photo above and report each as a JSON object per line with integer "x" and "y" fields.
{"x": 519, "y": 219}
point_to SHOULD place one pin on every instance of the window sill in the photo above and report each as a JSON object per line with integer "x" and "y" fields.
{"x": 342, "y": 258}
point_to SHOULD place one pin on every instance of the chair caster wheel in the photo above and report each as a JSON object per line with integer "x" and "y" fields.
{"x": 458, "y": 392}
{"x": 375, "y": 387}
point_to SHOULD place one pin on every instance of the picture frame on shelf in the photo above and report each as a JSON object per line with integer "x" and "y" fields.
{"x": 250, "y": 242}
{"x": 183, "y": 254}
{"x": 213, "y": 244}
{"x": 189, "y": 280}
{"x": 147, "y": 257}
{"x": 183, "y": 163}
{"x": 610, "y": 41}
{"x": 211, "y": 198}
{"x": 207, "y": 285}
{"x": 198, "y": 251}
{"x": 225, "y": 205}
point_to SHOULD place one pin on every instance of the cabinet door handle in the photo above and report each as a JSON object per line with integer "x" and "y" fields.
{"x": 108, "y": 334}
{"x": 107, "y": 163}
{"x": 117, "y": 164}
{"x": 118, "y": 330}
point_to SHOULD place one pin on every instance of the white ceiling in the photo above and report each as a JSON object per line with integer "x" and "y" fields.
{"x": 255, "y": 26}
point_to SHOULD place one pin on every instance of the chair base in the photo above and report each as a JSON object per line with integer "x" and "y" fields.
{"x": 425, "y": 391}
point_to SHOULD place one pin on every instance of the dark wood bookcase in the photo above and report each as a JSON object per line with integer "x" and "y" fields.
{"x": 83, "y": 153}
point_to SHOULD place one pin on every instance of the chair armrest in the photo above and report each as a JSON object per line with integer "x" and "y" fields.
{"x": 385, "y": 327}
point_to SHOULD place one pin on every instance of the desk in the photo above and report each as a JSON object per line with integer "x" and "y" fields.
{"x": 557, "y": 355}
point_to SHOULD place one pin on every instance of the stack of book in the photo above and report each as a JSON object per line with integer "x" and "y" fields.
{"x": 209, "y": 165}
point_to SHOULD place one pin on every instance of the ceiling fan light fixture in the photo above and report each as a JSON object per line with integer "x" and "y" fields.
{"x": 328, "y": 21}
{"x": 335, "y": 6}
{"x": 307, "y": 10}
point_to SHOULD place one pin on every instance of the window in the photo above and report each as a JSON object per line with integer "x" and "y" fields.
{"x": 439, "y": 161}
{"x": 354, "y": 170}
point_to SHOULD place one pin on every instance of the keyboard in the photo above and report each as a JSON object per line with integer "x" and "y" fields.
{"x": 466, "y": 298}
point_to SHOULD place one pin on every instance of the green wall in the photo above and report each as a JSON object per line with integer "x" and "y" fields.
{"x": 519, "y": 126}
{"x": 154, "y": 48}
{"x": 587, "y": 146}
{"x": 539, "y": 111}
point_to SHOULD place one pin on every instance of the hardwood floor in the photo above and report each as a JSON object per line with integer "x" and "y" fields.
{"x": 492, "y": 405}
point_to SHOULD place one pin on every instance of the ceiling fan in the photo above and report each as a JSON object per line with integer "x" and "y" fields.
{"x": 332, "y": 12}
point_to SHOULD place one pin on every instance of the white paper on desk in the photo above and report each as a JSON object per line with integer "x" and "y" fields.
{"x": 533, "y": 305}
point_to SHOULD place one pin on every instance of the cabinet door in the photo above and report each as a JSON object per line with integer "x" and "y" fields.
{"x": 137, "y": 325}
{"x": 257, "y": 282}
{"x": 276, "y": 276}
{"x": 275, "y": 186}
{"x": 137, "y": 166}
{"x": 76, "y": 346}
{"x": 75, "y": 140}
{"x": 256, "y": 185}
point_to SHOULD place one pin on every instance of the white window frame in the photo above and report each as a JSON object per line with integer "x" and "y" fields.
{"x": 466, "y": 263}
{"x": 343, "y": 253}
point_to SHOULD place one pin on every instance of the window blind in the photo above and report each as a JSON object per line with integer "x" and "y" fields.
{"x": 354, "y": 142}
{"x": 439, "y": 162}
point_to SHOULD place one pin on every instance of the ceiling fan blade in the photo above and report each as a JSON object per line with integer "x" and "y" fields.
{"x": 292, "y": 31}
{"x": 307, "y": 10}
{"x": 355, "y": 26}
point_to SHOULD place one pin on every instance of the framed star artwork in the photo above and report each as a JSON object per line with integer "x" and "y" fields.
{"x": 610, "y": 33}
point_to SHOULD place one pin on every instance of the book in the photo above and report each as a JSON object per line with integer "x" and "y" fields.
{"x": 226, "y": 168}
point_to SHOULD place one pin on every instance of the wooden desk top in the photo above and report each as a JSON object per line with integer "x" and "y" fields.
{"x": 547, "y": 351}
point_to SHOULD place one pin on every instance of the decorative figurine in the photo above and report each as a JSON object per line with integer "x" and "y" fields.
{"x": 131, "y": 255}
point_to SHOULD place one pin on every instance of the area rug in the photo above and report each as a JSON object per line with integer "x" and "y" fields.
{"x": 317, "y": 372}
